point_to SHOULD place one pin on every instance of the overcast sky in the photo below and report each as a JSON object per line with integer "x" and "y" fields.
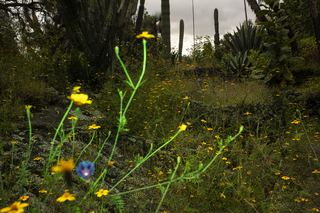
{"x": 231, "y": 14}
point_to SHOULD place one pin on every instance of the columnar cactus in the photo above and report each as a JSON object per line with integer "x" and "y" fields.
{"x": 216, "y": 28}
{"x": 181, "y": 39}
{"x": 93, "y": 27}
{"x": 140, "y": 17}
{"x": 165, "y": 14}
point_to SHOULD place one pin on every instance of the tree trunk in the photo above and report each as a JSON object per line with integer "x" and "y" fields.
{"x": 255, "y": 8}
{"x": 314, "y": 13}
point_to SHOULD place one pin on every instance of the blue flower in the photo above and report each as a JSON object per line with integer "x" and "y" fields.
{"x": 85, "y": 169}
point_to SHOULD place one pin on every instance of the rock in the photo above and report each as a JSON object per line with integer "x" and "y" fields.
{"x": 292, "y": 95}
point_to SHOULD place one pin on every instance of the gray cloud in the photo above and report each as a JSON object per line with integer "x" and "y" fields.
{"x": 231, "y": 14}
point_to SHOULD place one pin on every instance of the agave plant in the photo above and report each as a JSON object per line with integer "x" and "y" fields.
{"x": 238, "y": 65}
{"x": 240, "y": 46}
{"x": 238, "y": 42}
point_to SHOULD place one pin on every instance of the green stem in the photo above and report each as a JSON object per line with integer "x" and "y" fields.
{"x": 101, "y": 204}
{"x": 314, "y": 152}
{"x": 11, "y": 159}
{"x": 141, "y": 76}
{"x": 73, "y": 136}
{"x": 124, "y": 68}
{"x": 145, "y": 159}
{"x": 51, "y": 155}
{"x": 164, "y": 194}
{"x": 102, "y": 147}
{"x": 122, "y": 114}
{"x": 229, "y": 139}
{"x": 86, "y": 146}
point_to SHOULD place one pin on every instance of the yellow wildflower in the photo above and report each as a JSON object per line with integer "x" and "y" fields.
{"x": 183, "y": 127}
{"x": 76, "y": 89}
{"x": 102, "y": 192}
{"x": 63, "y": 166}
{"x": 16, "y": 207}
{"x": 66, "y": 196}
{"x": 93, "y": 126}
{"x": 145, "y": 35}
{"x": 80, "y": 99}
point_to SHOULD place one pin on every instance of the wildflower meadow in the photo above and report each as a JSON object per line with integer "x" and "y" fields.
{"x": 212, "y": 131}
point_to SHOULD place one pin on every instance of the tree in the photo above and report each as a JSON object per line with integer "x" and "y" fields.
{"x": 314, "y": 13}
{"x": 299, "y": 18}
{"x": 94, "y": 27}
{"x": 256, "y": 8}
{"x": 35, "y": 33}
{"x": 276, "y": 7}
{"x": 8, "y": 44}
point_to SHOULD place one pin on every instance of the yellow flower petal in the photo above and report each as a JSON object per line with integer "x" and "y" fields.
{"x": 80, "y": 99}
{"x": 145, "y": 35}
{"x": 28, "y": 107}
{"x": 15, "y": 207}
{"x": 183, "y": 127}
{"x": 66, "y": 196}
{"x": 76, "y": 89}
{"x": 63, "y": 166}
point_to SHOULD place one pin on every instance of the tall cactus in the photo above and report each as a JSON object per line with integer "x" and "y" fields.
{"x": 181, "y": 34}
{"x": 140, "y": 17}
{"x": 93, "y": 27}
{"x": 165, "y": 13}
{"x": 216, "y": 28}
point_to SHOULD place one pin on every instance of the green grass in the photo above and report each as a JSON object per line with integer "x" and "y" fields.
{"x": 250, "y": 175}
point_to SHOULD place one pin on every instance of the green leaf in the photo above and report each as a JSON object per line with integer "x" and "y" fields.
{"x": 268, "y": 2}
{"x": 288, "y": 42}
{"x": 295, "y": 59}
{"x": 243, "y": 57}
{"x": 275, "y": 3}
{"x": 270, "y": 44}
{"x": 282, "y": 57}
{"x": 263, "y": 12}
{"x": 287, "y": 74}
{"x": 305, "y": 193}
{"x": 77, "y": 209}
{"x": 283, "y": 32}
{"x": 254, "y": 53}
{"x": 285, "y": 49}
{"x": 258, "y": 76}
{"x": 126, "y": 81}
{"x": 258, "y": 70}
{"x": 252, "y": 60}
{"x": 267, "y": 79}
{"x": 272, "y": 39}
{"x": 285, "y": 24}
{"x": 281, "y": 19}
{"x": 266, "y": 24}
{"x": 261, "y": 35}
{"x": 233, "y": 62}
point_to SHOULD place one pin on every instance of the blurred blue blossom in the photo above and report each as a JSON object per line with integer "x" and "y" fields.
{"x": 85, "y": 169}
